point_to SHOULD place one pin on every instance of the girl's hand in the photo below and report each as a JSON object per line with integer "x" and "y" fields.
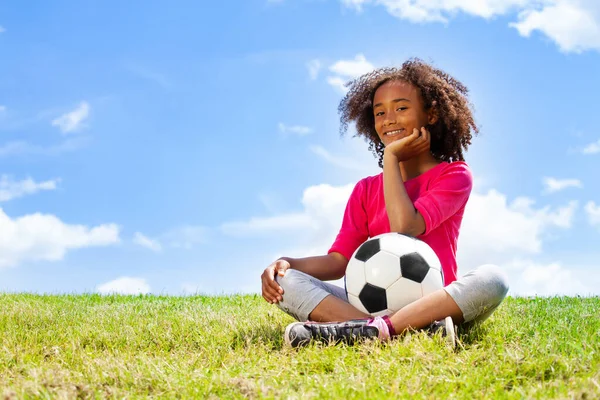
{"x": 271, "y": 291}
{"x": 408, "y": 147}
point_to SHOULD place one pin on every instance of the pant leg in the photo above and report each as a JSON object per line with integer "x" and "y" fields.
{"x": 479, "y": 292}
{"x": 302, "y": 293}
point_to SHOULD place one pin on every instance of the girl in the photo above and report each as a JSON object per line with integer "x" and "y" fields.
{"x": 418, "y": 121}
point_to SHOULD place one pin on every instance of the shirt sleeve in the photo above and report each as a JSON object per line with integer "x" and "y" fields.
{"x": 446, "y": 195}
{"x": 354, "y": 230}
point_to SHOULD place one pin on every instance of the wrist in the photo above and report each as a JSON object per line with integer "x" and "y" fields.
{"x": 389, "y": 157}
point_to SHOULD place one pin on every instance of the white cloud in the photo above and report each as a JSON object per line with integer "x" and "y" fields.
{"x": 144, "y": 241}
{"x": 352, "y": 68}
{"x": 443, "y": 10}
{"x": 553, "y": 185}
{"x": 535, "y": 279}
{"x": 346, "y": 70}
{"x": 561, "y": 218}
{"x": 355, "y": 4}
{"x": 314, "y": 66}
{"x": 16, "y": 148}
{"x": 73, "y": 120}
{"x": 338, "y": 161}
{"x": 294, "y": 129}
{"x": 592, "y": 148}
{"x": 2, "y": 30}
{"x": 262, "y": 225}
{"x": 317, "y": 224}
{"x": 574, "y": 25}
{"x": 38, "y": 236}
{"x": 495, "y": 231}
{"x": 338, "y": 83}
{"x": 183, "y": 237}
{"x": 593, "y": 212}
{"x": 10, "y": 189}
{"x": 125, "y": 285}
{"x": 2, "y": 109}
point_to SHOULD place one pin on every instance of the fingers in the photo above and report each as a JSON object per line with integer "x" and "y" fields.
{"x": 425, "y": 137}
{"x": 425, "y": 134}
{"x": 412, "y": 138}
{"x": 271, "y": 291}
{"x": 269, "y": 294}
{"x": 418, "y": 141}
{"x": 280, "y": 267}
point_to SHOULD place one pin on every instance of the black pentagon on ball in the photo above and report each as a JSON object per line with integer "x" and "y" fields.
{"x": 367, "y": 250}
{"x": 414, "y": 267}
{"x": 373, "y": 298}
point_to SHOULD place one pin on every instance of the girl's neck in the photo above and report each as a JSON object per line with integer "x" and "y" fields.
{"x": 418, "y": 165}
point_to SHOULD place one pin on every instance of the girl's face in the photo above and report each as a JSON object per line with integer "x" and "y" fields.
{"x": 398, "y": 109}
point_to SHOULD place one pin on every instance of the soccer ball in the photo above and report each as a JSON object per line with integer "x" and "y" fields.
{"x": 389, "y": 271}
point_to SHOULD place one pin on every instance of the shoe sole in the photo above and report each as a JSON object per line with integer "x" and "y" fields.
{"x": 450, "y": 332}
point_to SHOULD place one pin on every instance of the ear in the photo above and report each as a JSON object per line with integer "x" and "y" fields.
{"x": 432, "y": 114}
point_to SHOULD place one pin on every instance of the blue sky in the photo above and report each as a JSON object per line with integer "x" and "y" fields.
{"x": 148, "y": 148}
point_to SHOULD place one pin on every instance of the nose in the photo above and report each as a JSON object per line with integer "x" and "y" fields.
{"x": 390, "y": 119}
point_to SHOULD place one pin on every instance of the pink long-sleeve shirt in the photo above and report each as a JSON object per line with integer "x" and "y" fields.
{"x": 439, "y": 195}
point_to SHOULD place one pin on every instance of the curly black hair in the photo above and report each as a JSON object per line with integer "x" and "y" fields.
{"x": 450, "y": 134}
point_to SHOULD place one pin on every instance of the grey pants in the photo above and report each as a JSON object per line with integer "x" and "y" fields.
{"x": 477, "y": 294}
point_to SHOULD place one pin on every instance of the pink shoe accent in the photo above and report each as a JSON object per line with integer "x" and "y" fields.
{"x": 382, "y": 327}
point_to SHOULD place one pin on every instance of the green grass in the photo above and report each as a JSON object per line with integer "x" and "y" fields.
{"x": 92, "y": 346}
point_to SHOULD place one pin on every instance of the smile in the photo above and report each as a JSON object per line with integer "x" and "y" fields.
{"x": 394, "y": 133}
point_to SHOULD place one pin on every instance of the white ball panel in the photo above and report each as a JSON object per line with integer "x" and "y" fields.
{"x": 432, "y": 282}
{"x": 355, "y": 276}
{"x": 402, "y": 293}
{"x": 382, "y": 269}
{"x": 428, "y": 254}
{"x": 382, "y": 313}
{"x": 396, "y": 243}
{"x": 355, "y": 301}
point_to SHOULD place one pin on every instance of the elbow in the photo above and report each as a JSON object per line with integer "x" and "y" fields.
{"x": 413, "y": 230}
{"x": 338, "y": 276}
{"x": 410, "y": 224}
{"x": 340, "y": 271}
{"x": 338, "y": 265}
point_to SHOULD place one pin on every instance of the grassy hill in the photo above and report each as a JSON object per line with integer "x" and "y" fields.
{"x": 92, "y": 346}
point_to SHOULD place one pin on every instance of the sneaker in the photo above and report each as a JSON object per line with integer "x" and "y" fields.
{"x": 301, "y": 333}
{"x": 446, "y": 328}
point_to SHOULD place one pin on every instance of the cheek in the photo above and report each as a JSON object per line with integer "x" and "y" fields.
{"x": 423, "y": 119}
{"x": 378, "y": 127}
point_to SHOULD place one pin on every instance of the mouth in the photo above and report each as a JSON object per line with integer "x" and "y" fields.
{"x": 394, "y": 133}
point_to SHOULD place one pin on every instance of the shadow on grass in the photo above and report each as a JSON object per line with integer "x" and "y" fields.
{"x": 270, "y": 336}
{"x": 471, "y": 335}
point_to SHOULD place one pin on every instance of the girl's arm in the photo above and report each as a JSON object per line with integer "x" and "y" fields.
{"x": 329, "y": 267}
{"x": 404, "y": 217}
{"x": 326, "y": 268}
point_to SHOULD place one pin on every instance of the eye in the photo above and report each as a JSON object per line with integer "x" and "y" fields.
{"x": 401, "y": 108}
{"x": 379, "y": 114}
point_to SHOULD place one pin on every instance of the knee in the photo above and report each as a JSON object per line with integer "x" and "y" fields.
{"x": 496, "y": 281}
{"x": 289, "y": 282}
